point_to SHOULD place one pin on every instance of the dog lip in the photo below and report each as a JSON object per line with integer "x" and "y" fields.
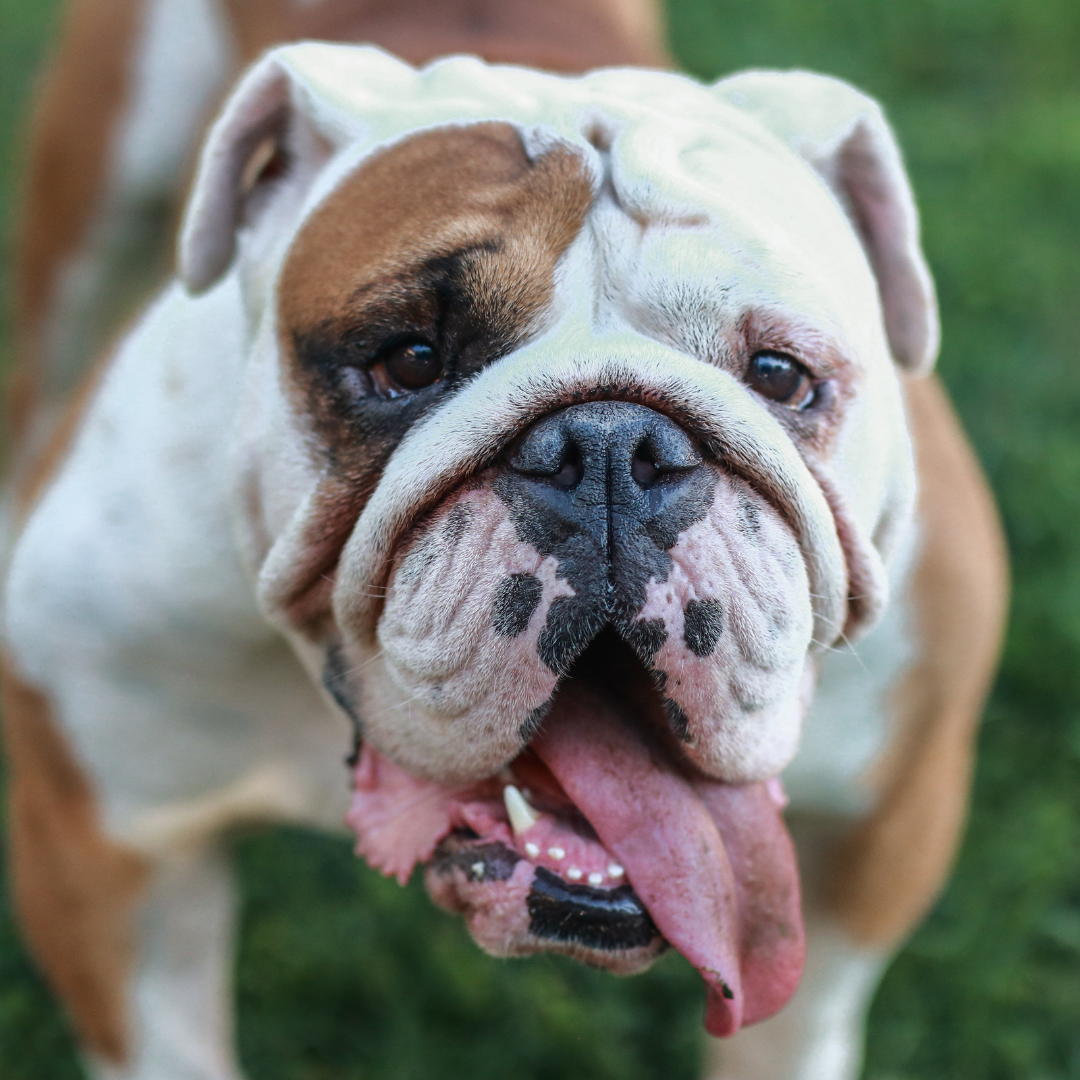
{"x": 488, "y": 862}
{"x": 605, "y": 919}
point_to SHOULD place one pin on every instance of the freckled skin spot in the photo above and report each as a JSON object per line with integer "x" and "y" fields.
{"x": 678, "y": 720}
{"x": 515, "y": 601}
{"x": 646, "y": 637}
{"x": 749, "y": 518}
{"x": 532, "y": 723}
{"x": 457, "y": 523}
{"x": 703, "y": 625}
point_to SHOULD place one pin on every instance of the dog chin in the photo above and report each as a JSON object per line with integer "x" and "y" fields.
{"x": 601, "y": 841}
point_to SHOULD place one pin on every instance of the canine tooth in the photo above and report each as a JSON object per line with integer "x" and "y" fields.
{"x": 574, "y": 874}
{"x": 522, "y": 816}
{"x": 556, "y": 852}
{"x": 478, "y": 869}
{"x": 532, "y": 850}
{"x": 595, "y": 878}
{"x": 615, "y": 870}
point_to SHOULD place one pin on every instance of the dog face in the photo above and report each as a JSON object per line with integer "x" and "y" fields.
{"x": 573, "y": 435}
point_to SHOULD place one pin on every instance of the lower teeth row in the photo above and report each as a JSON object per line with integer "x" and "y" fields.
{"x": 614, "y": 870}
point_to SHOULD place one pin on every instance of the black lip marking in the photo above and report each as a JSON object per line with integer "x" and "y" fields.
{"x": 571, "y": 624}
{"x": 680, "y": 724}
{"x": 516, "y": 599}
{"x": 637, "y": 483}
{"x": 702, "y": 626}
{"x": 497, "y": 860}
{"x": 457, "y": 523}
{"x": 532, "y": 722}
{"x": 646, "y": 637}
{"x": 335, "y": 678}
{"x": 597, "y": 918}
{"x": 749, "y": 518}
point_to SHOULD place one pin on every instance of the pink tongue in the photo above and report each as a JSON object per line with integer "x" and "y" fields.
{"x": 712, "y": 862}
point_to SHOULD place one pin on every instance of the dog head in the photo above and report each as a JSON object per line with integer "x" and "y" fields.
{"x": 573, "y": 435}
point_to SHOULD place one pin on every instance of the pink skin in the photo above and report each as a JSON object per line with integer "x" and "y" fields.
{"x": 496, "y": 912}
{"x": 399, "y": 820}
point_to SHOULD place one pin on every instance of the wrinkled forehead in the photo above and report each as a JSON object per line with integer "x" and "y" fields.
{"x": 715, "y": 197}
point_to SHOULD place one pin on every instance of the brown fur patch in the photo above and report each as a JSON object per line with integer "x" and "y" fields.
{"x": 562, "y": 35}
{"x": 75, "y": 890}
{"x": 892, "y": 867}
{"x": 451, "y": 236}
{"x": 83, "y": 94}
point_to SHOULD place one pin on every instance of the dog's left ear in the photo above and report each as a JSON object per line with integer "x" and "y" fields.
{"x": 264, "y": 145}
{"x": 844, "y": 136}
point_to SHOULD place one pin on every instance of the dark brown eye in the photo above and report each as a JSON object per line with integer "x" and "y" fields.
{"x": 410, "y": 366}
{"x": 780, "y": 378}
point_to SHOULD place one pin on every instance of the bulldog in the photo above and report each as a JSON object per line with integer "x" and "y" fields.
{"x": 553, "y": 457}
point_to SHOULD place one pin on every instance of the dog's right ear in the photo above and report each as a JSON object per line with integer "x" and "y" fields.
{"x": 264, "y": 136}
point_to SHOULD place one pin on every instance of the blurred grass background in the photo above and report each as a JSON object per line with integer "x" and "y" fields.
{"x": 343, "y": 975}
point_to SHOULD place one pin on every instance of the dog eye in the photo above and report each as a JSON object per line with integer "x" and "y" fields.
{"x": 780, "y": 378}
{"x": 411, "y": 365}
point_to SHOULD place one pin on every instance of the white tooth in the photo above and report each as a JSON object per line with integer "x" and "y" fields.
{"x": 595, "y": 878}
{"x": 556, "y": 852}
{"x": 522, "y": 816}
{"x": 532, "y": 850}
{"x": 574, "y": 874}
{"x": 615, "y": 870}
{"x": 478, "y": 869}
{"x": 526, "y": 792}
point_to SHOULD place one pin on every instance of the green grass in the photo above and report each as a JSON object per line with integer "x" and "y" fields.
{"x": 343, "y": 975}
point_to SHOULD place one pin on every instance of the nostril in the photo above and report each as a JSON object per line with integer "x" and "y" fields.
{"x": 571, "y": 470}
{"x": 643, "y": 467}
{"x": 663, "y": 455}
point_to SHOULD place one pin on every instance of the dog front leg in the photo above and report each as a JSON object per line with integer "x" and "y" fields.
{"x": 181, "y": 996}
{"x": 137, "y": 948}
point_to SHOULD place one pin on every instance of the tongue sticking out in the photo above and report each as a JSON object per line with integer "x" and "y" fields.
{"x": 712, "y": 862}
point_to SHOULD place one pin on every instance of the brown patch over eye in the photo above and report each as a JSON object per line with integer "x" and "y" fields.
{"x": 409, "y": 365}
{"x": 780, "y": 378}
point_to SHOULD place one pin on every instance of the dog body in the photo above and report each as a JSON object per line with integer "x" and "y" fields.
{"x": 518, "y": 432}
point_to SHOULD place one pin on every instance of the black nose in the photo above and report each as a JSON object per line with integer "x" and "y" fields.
{"x": 607, "y": 458}
{"x": 607, "y": 489}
